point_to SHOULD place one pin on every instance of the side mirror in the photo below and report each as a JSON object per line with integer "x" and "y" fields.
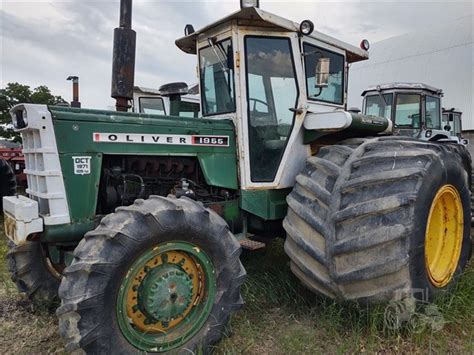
{"x": 322, "y": 72}
{"x": 447, "y": 128}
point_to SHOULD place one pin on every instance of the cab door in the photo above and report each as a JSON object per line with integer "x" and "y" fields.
{"x": 270, "y": 78}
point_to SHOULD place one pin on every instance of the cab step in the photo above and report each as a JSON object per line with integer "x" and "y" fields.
{"x": 250, "y": 244}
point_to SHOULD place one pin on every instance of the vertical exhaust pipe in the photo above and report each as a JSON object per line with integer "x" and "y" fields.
{"x": 123, "y": 61}
{"x": 75, "y": 91}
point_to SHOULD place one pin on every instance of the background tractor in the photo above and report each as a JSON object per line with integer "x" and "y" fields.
{"x": 452, "y": 119}
{"x": 414, "y": 109}
{"x": 174, "y": 99}
{"x": 140, "y": 218}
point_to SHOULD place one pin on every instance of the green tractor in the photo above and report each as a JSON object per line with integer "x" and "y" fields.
{"x": 140, "y": 219}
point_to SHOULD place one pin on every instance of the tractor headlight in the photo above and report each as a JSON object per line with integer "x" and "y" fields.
{"x": 306, "y": 27}
{"x": 365, "y": 45}
{"x": 20, "y": 119}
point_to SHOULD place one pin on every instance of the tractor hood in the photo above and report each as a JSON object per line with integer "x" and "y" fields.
{"x": 256, "y": 17}
{"x": 115, "y": 117}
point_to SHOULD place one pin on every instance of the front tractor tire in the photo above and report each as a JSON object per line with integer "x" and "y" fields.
{"x": 381, "y": 218}
{"x": 33, "y": 273}
{"x": 162, "y": 275}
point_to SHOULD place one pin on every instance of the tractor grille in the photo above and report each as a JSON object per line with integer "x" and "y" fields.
{"x": 42, "y": 166}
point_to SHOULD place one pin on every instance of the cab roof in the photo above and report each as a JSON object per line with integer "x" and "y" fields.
{"x": 403, "y": 86}
{"x": 259, "y": 18}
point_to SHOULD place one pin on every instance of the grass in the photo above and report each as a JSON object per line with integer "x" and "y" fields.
{"x": 280, "y": 316}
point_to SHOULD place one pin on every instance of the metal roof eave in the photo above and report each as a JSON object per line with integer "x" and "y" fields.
{"x": 403, "y": 86}
{"x": 188, "y": 43}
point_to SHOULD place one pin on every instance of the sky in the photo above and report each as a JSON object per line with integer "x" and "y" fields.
{"x": 43, "y": 42}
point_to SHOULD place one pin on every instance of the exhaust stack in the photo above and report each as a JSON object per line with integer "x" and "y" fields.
{"x": 123, "y": 62}
{"x": 75, "y": 91}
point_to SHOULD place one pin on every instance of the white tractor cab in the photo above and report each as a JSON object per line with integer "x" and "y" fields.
{"x": 452, "y": 122}
{"x": 173, "y": 99}
{"x": 279, "y": 81}
{"x": 414, "y": 109}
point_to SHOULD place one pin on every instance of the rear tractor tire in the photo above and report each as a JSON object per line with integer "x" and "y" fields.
{"x": 381, "y": 218}
{"x": 162, "y": 275}
{"x": 7, "y": 181}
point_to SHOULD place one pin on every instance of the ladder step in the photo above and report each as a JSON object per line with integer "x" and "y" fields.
{"x": 250, "y": 244}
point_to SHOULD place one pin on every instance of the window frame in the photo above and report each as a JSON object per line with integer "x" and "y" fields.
{"x": 392, "y": 112}
{"x": 394, "y": 108}
{"x": 247, "y": 99}
{"x": 201, "y": 86}
{"x": 343, "y": 86}
{"x": 192, "y": 103}
{"x": 440, "y": 113}
{"x": 151, "y": 97}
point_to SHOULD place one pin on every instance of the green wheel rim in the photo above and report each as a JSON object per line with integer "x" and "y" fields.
{"x": 166, "y": 296}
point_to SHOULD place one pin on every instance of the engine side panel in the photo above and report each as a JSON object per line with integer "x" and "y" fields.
{"x": 90, "y": 141}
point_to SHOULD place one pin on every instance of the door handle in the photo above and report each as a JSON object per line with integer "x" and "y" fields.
{"x": 296, "y": 110}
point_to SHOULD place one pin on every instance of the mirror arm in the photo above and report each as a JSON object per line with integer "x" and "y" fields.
{"x": 221, "y": 61}
{"x": 320, "y": 90}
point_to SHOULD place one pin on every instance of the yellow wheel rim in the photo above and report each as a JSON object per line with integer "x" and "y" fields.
{"x": 444, "y": 234}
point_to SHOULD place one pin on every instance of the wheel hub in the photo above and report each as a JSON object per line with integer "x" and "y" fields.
{"x": 165, "y": 293}
{"x": 166, "y": 296}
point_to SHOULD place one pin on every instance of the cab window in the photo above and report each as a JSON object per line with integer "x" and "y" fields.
{"x": 189, "y": 109}
{"x": 271, "y": 92}
{"x": 457, "y": 124}
{"x": 152, "y": 105}
{"x": 184, "y": 108}
{"x": 445, "y": 119}
{"x": 334, "y": 92}
{"x": 378, "y": 105}
{"x": 217, "y": 78}
{"x": 432, "y": 112}
{"x": 408, "y": 110}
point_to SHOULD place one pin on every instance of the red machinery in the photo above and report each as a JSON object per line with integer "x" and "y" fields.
{"x": 15, "y": 158}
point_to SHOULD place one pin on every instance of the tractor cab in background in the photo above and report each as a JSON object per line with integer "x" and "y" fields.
{"x": 452, "y": 122}
{"x": 414, "y": 108}
{"x": 173, "y": 99}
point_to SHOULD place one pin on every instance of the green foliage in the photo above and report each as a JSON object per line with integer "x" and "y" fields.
{"x": 15, "y": 93}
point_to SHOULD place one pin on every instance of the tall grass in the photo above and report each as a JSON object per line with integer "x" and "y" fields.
{"x": 280, "y": 315}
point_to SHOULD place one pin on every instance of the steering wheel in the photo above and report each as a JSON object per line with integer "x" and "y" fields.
{"x": 255, "y": 104}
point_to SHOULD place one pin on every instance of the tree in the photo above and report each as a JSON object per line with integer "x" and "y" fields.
{"x": 15, "y": 93}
